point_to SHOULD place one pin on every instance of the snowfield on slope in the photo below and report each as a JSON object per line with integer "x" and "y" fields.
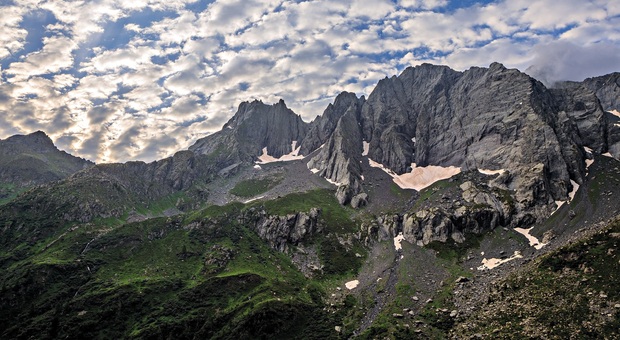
{"x": 419, "y": 177}
{"x": 265, "y": 158}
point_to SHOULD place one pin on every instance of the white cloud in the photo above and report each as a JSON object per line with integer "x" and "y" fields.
{"x": 549, "y": 14}
{"x": 13, "y": 37}
{"x": 423, "y": 4}
{"x": 175, "y": 30}
{"x": 561, "y": 60}
{"x": 371, "y": 9}
{"x": 148, "y": 94}
{"x": 53, "y": 57}
{"x": 130, "y": 57}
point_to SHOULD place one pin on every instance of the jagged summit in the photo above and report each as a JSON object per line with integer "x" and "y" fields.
{"x": 33, "y": 159}
{"x": 37, "y": 141}
{"x": 491, "y": 118}
{"x": 247, "y": 109}
{"x": 254, "y": 127}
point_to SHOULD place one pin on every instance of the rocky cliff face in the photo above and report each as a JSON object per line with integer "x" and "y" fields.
{"x": 324, "y": 125}
{"x": 340, "y": 157}
{"x": 483, "y": 118}
{"x": 491, "y": 118}
{"x": 280, "y": 232}
{"x": 474, "y": 206}
{"x": 607, "y": 90}
{"x": 255, "y": 126}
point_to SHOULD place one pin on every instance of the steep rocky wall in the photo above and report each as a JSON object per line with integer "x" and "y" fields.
{"x": 472, "y": 208}
{"x": 255, "y": 126}
{"x": 282, "y": 231}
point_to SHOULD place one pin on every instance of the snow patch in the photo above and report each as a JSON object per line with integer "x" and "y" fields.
{"x": 533, "y": 240}
{"x": 352, "y": 284}
{"x": 366, "y": 148}
{"x": 607, "y": 154}
{"x": 615, "y": 113}
{"x": 588, "y": 161}
{"x": 494, "y": 262}
{"x": 333, "y": 182}
{"x": 257, "y": 167}
{"x": 362, "y": 176}
{"x": 253, "y": 199}
{"x": 559, "y": 204}
{"x": 419, "y": 177}
{"x": 265, "y": 158}
{"x": 571, "y": 195}
{"x": 314, "y": 171}
{"x": 491, "y": 172}
{"x": 398, "y": 241}
{"x": 413, "y": 139}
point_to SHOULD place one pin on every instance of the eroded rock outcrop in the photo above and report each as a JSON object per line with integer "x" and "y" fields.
{"x": 282, "y": 231}
{"x": 470, "y": 209}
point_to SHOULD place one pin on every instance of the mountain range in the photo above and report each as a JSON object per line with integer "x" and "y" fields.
{"x": 447, "y": 204}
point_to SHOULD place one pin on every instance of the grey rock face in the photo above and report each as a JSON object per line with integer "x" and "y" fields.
{"x": 492, "y": 118}
{"x": 613, "y": 136}
{"x": 339, "y": 159}
{"x": 607, "y": 90}
{"x": 481, "y": 210}
{"x": 583, "y": 108}
{"x": 323, "y": 126}
{"x": 359, "y": 200}
{"x": 282, "y": 231}
{"x": 255, "y": 126}
{"x": 430, "y": 225}
{"x": 390, "y": 115}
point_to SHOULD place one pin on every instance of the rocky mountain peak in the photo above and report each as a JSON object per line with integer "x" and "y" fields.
{"x": 495, "y": 66}
{"x": 37, "y": 141}
{"x": 323, "y": 126}
{"x": 607, "y": 90}
{"x": 27, "y": 160}
{"x": 431, "y": 115}
{"x": 256, "y": 128}
{"x": 247, "y": 110}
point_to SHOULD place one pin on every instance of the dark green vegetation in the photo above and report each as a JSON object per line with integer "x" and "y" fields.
{"x": 205, "y": 274}
{"x": 8, "y": 192}
{"x": 569, "y": 293}
{"x": 98, "y": 255}
{"x": 253, "y": 187}
{"x": 336, "y": 216}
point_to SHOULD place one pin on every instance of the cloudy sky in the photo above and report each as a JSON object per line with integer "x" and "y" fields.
{"x": 117, "y": 80}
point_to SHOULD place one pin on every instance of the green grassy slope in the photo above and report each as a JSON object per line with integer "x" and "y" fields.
{"x": 203, "y": 274}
